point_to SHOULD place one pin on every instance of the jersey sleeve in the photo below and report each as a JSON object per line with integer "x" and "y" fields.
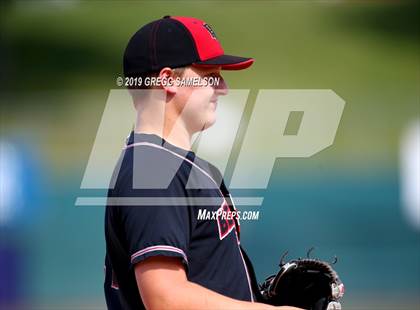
{"x": 162, "y": 229}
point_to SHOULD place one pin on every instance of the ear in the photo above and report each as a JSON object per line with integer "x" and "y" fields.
{"x": 166, "y": 76}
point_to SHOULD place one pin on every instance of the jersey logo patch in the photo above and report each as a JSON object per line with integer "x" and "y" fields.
{"x": 224, "y": 222}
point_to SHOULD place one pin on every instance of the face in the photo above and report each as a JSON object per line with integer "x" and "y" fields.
{"x": 197, "y": 104}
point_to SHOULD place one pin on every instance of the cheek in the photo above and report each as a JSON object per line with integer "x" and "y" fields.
{"x": 199, "y": 99}
{"x": 205, "y": 94}
{"x": 199, "y": 111}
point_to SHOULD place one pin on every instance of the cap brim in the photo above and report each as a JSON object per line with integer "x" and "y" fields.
{"x": 227, "y": 62}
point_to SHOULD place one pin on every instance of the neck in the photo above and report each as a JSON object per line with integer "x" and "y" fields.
{"x": 171, "y": 130}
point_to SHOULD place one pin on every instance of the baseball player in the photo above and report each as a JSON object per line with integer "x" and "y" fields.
{"x": 159, "y": 254}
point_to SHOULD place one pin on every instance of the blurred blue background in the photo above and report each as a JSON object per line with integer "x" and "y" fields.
{"x": 59, "y": 61}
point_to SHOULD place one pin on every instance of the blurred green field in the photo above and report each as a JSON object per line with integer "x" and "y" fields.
{"x": 366, "y": 53}
{"x": 61, "y": 58}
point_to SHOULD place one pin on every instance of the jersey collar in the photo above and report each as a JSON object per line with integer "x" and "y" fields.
{"x": 135, "y": 137}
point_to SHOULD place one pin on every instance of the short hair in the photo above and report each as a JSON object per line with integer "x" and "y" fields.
{"x": 178, "y": 72}
{"x": 132, "y": 89}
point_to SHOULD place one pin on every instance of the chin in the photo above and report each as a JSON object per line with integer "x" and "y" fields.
{"x": 210, "y": 122}
{"x": 205, "y": 123}
{"x": 207, "y": 126}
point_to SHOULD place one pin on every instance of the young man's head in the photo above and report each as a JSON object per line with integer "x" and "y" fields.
{"x": 194, "y": 105}
{"x": 175, "y": 52}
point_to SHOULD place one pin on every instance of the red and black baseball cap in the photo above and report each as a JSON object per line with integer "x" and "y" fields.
{"x": 175, "y": 41}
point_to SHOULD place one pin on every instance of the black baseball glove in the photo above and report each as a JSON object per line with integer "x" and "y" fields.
{"x": 304, "y": 283}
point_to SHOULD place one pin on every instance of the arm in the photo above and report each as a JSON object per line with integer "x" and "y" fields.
{"x": 163, "y": 284}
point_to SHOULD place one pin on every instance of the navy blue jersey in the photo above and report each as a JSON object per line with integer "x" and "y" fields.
{"x": 159, "y": 191}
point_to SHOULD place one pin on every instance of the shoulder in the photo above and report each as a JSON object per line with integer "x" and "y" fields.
{"x": 207, "y": 171}
{"x": 149, "y": 166}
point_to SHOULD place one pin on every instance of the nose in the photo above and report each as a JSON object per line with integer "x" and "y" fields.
{"x": 221, "y": 88}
